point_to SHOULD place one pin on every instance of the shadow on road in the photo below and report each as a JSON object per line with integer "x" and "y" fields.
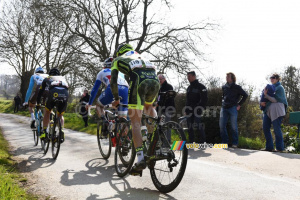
{"x": 287, "y": 155}
{"x": 197, "y": 154}
{"x": 125, "y": 191}
{"x": 97, "y": 172}
{"x": 35, "y": 160}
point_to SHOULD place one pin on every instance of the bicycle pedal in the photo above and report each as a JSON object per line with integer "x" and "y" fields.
{"x": 136, "y": 173}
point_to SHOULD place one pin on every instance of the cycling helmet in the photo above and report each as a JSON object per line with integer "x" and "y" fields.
{"x": 54, "y": 72}
{"x": 123, "y": 48}
{"x": 107, "y": 62}
{"x": 39, "y": 70}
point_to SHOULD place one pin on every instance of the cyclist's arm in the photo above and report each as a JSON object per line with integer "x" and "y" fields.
{"x": 29, "y": 90}
{"x": 94, "y": 91}
{"x": 41, "y": 91}
{"x": 114, "y": 80}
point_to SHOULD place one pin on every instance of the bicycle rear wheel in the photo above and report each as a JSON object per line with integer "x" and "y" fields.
{"x": 166, "y": 174}
{"x": 56, "y": 137}
{"x": 45, "y": 141}
{"x": 104, "y": 141}
{"x": 125, "y": 151}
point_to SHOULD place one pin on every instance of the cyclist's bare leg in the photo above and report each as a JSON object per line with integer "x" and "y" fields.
{"x": 149, "y": 110}
{"x": 31, "y": 110}
{"x": 46, "y": 119}
{"x": 31, "y": 107}
{"x": 99, "y": 110}
{"x": 62, "y": 120}
{"x": 135, "y": 117}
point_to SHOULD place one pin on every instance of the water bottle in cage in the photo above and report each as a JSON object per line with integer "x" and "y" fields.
{"x": 111, "y": 125}
{"x": 144, "y": 132}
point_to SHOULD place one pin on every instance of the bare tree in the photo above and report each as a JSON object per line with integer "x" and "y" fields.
{"x": 103, "y": 25}
{"x": 19, "y": 45}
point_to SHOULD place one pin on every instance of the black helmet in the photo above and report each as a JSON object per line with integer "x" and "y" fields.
{"x": 54, "y": 72}
{"x": 123, "y": 48}
{"x": 107, "y": 62}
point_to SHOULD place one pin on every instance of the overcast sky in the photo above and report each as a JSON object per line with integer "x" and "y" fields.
{"x": 256, "y": 37}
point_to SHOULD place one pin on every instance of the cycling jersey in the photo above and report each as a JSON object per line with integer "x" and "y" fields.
{"x": 104, "y": 77}
{"x": 34, "y": 85}
{"x": 58, "y": 90}
{"x": 144, "y": 84}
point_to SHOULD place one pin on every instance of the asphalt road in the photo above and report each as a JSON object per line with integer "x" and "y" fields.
{"x": 80, "y": 172}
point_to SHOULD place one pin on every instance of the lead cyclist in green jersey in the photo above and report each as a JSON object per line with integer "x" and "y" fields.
{"x": 144, "y": 87}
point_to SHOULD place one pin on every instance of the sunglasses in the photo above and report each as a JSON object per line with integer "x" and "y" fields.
{"x": 272, "y": 77}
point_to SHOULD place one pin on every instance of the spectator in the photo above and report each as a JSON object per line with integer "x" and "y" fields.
{"x": 17, "y": 100}
{"x": 83, "y": 101}
{"x": 274, "y": 111}
{"x": 167, "y": 109}
{"x": 231, "y": 104}
{"x": 271, "y": 93}
{"x": 196, "y": 99}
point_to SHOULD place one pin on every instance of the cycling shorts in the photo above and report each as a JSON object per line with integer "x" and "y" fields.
{"x": 34, "y": 94}
{"x": 107, "y": 97}
{"x": 144, "y": 87}
{"x": 58, "y": 96}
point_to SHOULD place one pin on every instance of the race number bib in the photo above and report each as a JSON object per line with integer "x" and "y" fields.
{"x": 138, "y": 64}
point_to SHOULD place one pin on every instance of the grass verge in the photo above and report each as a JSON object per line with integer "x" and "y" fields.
{"x": 11, "y": 180}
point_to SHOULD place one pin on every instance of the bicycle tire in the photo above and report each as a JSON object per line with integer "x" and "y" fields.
{"x": 35, "y": 137}
{"x": 44, "y": 142}
{"x": 104, "y": 142}
{"x": 155, "y": 173}
{"x": 56, "y": 138}
{"x": 123, "y": 162}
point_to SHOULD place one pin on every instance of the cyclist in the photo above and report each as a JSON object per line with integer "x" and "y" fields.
{"x": 144, "y": 87}
{"x": 58, "y": 90}
{"x": 32, "y": 92}
{"x": 106, "y": 97}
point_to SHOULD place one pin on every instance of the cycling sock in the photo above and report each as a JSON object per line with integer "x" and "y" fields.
{"x": 32, "y": 116}
{"x": 139, "y": 153}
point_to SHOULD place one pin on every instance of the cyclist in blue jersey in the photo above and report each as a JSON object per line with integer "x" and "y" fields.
{"x": 106, "y": 97}
{"x": 33, "y": 90}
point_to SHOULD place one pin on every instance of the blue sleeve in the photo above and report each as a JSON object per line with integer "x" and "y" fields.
{"x": 29, "y": 90}
{"x": 94, "y": 91}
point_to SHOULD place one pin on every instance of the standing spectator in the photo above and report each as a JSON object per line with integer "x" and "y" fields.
{"x": 274, "y": 111}
{"x": 83, "y": 101}
{"x": 167, "y": 109}
{"x": 17, "y": 100}
{"x": 231, "y": 104}
{"x": 196, "y": 99}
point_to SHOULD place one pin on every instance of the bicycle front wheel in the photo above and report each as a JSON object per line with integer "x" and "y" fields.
{"x": 166, "y": 174}
{"x": 125, "y": 151}
{"x": 104, "y": 141}
{"x": 56, "y": 138}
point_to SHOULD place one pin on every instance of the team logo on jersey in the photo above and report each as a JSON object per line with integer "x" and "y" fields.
{"x": 55, "y": 94}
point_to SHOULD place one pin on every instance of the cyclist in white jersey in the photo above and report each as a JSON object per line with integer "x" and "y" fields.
{"x": 33, "y": 90}
{"x": 106, "y": 97}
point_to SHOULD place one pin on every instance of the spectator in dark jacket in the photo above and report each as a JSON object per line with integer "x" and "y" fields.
{"x": 231, "y": 103}
{"x": 17, "y": 100}
{"x": 83, "y": 101}
{"x": 196, "y": 99}
{"x": 165, "y": 107}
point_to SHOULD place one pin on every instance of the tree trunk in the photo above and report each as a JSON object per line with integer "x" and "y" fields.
{"x": 25, "y": 79}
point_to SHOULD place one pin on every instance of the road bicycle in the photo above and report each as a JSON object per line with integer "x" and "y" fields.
{"x": 165, "y": 159}
{"x": 113, "y": 131}
{"x": 55, "y": 135}
{"x": 38, "y": 124}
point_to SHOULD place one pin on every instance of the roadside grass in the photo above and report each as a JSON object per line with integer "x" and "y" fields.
{"x": 11, "y": 180}
{"x": 251, "y": 143}
{"x": 74, "y": 121}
